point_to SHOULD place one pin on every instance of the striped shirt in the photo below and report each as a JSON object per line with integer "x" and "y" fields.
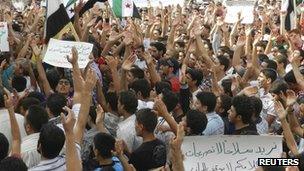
{"x": 56, "y": 164}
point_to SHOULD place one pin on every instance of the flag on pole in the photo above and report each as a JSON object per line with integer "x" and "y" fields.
{"x": 88, "y": 6}
{"x": 58, "y": 22}
{"x": 124, "y": 8}
{"x": 69, "y": 6}
{"x": 291, "y": 17}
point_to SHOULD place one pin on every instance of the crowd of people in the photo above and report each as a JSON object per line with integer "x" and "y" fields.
{"x": 177, "y": 71}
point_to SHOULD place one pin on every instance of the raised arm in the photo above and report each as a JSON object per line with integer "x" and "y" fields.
{"x": 15, "y": 131}
{"x": 42, "y": 76}
{"x": 113, "y": 63}
{"x": 295, "y": 63}
{"x": 291, "y": 143}
{"x": 162, "y": 111}
{"x": 86, "y": 98}
{"x": 73, "y": 161}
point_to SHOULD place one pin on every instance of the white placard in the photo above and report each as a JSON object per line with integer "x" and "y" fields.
{"x": 155, "y": 3}
{"x": 4, "y": 45}
{"x": 58, "y": 50}
{"x": 234, "y": 7}
{"x": 229, "y": 153}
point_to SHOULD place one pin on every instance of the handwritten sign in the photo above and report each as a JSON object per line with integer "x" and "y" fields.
{"x": 4, "y": 45}
{"x": 155, "y": 3}
{"x": 58, "y": 50}
{"x": 228, "y": 153}
{"x": 244, "y": 7}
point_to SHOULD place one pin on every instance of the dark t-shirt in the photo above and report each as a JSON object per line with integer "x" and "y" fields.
{"x": 149, "y": 155}
{"x": 248, "y": 130}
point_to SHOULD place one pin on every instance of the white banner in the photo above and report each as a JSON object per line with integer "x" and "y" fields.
{"x": 4, "y": 45}
{"x": 229, "y": 153}
{"x": 244, "y": 7}
{"x": 155, "y": 3}
{"x": 58, "y": 50}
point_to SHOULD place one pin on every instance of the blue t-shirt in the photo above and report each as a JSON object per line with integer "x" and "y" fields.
{"x": 117, "y": 166}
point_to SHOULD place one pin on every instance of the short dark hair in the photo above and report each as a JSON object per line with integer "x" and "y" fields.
{"x": 51, "y": 139}
{"x": 196, "y": 121}
{"x": 290, "y": 77}
{"x": 129, "y": 100}
{"x": 104, "y": 144}
{"x": 270, "y": 73}
{"x": 55, "y": 102}
{"x": 278, "y": 86}
{"x": 53, "y": 77}
{"x": 243, "y": 107}
{"x": 4, "y": 146}
{"x": 159, "y": 46}
{"x": 271, "y": 64}
{"x": 207, "y": 99}
{"x": 196, "y": 75}
{"x": 224, "y": 61}
{"x": 282, "y": 59}
{"x": 2, "y": 99}
{"x": 37, "y": 95}
{"x": 226, "y": 104}
{"x": 170, "y": 62}
{"x": 257, "y": 105}
{"x": 37, "y": 117}
{"x": 147, "y": 118}
{"x": 137, "y": 72}
{"x": 160, "y": 86}
{"x": 28, "y": 101}
{"x": 170, "y": 99}
{"x": 142, "y": 86}
{"x": 112, "y": 99}
{"x": 19, "y": 83}
{"x": 12, "y": 164}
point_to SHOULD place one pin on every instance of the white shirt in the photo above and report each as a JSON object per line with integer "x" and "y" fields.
{"x": 29, "y": 153}
{"x": 144, "y": 105}
{"x": 56, "y": 164}
{"x": 268, "y": 104}
{"x": 215, "y": 125}
{"x": 5, "y": 125}
{"x": 141, "y": 64}
{"x": 126, "y": 131}
{"x": 262, "y": 127}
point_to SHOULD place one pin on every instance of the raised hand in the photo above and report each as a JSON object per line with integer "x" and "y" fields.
{"x": 112, "y": 62}
{"x": 160, "y": 107}
{"x": 74, "y": 58}
{"x": 241, "y": 41}
{"x": 291, "y": 98}
{"x": 127, "y": 64}
{"x": 119, "y": 148}
{"x": 8, "y": 99}
{"x": 90, "y": 80}
{"x": 280, "y": 110}
{"x": 68, "y": 121}
{"x": 176, "y": 143}
{"x": 100, "y": 115}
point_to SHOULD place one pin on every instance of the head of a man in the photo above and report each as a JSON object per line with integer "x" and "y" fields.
{"x": 241, "y": 110}
{"x": 51, "y": 141}
{"x": 146, "y": 121}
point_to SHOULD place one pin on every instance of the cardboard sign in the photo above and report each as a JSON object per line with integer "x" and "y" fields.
{"x": 155, "y": 3}
{"x": 4, "y": 45}
{"x": 229, "y": 153}
{"x": 244, "y": 7}
{"x": 58, "y": 50}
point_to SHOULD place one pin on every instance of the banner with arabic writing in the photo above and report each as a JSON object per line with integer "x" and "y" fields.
{"x": 4, "y": 45}
{"x": 229, "y": 153}
{"x": 58, "y": 50}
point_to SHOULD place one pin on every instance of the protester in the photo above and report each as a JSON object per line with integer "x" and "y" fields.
{"x": 152, "y": 77}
